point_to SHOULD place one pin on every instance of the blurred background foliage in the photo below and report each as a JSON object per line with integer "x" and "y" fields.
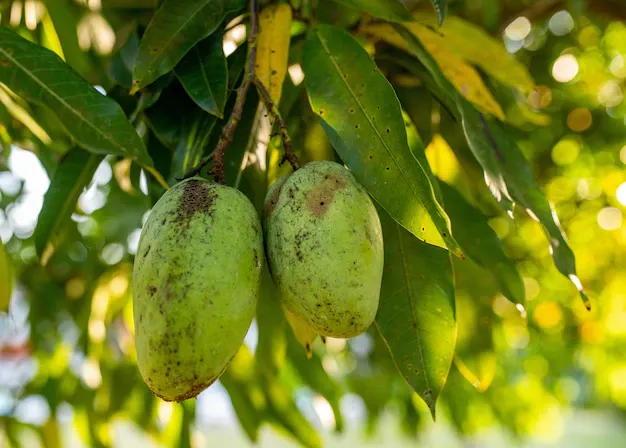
{"x": 67, "y": 360}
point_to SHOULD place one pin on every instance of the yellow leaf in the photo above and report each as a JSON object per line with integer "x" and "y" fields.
{"x": 462, "y": 75}
{"x": 474, "y": 45}
{"x": 442, "y": 160}
{"x": 304, "y": 334}
{"x": 6, "y": 279}
{"x": 273, "y": 48}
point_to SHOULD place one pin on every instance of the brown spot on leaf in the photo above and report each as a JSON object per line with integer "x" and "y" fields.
{"x": 152, "y": 289}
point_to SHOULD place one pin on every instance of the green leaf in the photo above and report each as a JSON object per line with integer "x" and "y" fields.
{"x": 65, "y": 15}
{"x": 486, "y": 157}
{"x": 176, "y": 27}
{"x": 416, "y": 315}
{"x": 96, "y": 122}
{"x": 525, "y": 191}
{"x": 440, "y": 9}
{"x": 362, "y": 117}
{"x": 72, "y": 175}
{"x": 197, "y": 127}
{"x": 240, "y": 383}
{"x": 419, "y": 152}
{"x": 121, "y": 66}
{"x": 507, "y": 173}
{"x": 272, "y": 343}
{"x": 203, "y": 72}
{"x": 286, "y": 414}
{"x": 471, "y": 230}
{"x": 392, "y": 10}
{"x": 6, "y": 278}
{"x": 270, "y": 358}
{"x": 313, "y": 374}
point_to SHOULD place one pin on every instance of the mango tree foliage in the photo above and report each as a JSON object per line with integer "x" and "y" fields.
{"x": 490, "y": 136}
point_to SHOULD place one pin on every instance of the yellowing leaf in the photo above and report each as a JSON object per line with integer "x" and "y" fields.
{"x": 273, "y": 48}
{"x": 442, "y": 160}
{"x": 474, "y": 45}
{"x": 462, "y": 75}
{"x": 6, "y": 279}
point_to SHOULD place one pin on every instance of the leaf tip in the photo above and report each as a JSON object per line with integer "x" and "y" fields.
{"x": 431, "y": 408}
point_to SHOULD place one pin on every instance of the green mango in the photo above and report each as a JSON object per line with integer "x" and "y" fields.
{"x": 196, "y": 280}
{"x": 324, "y": 246}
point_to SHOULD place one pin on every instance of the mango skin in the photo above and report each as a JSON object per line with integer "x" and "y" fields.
{"x": 196, "y": 280}
{"x": 324, "y": 246}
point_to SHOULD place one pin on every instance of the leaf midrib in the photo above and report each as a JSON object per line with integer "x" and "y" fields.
{"x": 62, "y": 101}
{"x": 205, "y": 77}
{"x": 410, "y": 294}
{"x": 380, "y": 137}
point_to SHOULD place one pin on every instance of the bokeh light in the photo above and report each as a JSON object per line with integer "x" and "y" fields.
{"x": 565, "y": 68}
{"x": 518, "y": 29}
{"x": 610, "y": 218}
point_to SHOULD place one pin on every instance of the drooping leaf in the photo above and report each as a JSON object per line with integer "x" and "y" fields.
{"x": 272, "y": 54}
{"x": 72, "y": 175}
{"x": 96, "y": 122}
{"x": 416, "y": 315}
{"x": 175, "y": 28}
{"x": 393, "y": 10}
{"x": 526, "y": 192}
{"x": 474, "y": 45}
{"x": 6, "y": 278}
{"x": 479, "y": 241}
{"x": 467, "y": 113}
{"x": 507, "y": 173}
{"x": 313, "y": 374}
{"x": 203, "y": 72}
{"x": 463, "y": 76}
{"x": 363, "y": 119}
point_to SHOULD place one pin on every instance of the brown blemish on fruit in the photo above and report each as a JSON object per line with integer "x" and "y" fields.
{"x": 320, "y": 197}
{"x": 273, "y": 200}
{"x": 195, "y": 198}
{"x": 256, "y": 259}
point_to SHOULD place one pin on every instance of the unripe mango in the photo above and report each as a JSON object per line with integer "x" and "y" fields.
{"x": 325, "y": 248}
{"x": 195, "y": 286}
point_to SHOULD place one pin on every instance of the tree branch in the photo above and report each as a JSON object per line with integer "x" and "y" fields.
{"x": 272, "y": 108}
{"x": 235, "y": 117}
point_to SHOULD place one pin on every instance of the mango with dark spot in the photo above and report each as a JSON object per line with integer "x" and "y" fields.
{"x": 195, "y": 286}
{"x": 325, "y": 248}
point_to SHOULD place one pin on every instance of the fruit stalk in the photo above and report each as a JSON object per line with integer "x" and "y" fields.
{"x": 229, "y": 129}
{"x": 272, "y": 107}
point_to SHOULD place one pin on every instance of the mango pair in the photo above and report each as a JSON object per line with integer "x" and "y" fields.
{"x": 199, "y": 262}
